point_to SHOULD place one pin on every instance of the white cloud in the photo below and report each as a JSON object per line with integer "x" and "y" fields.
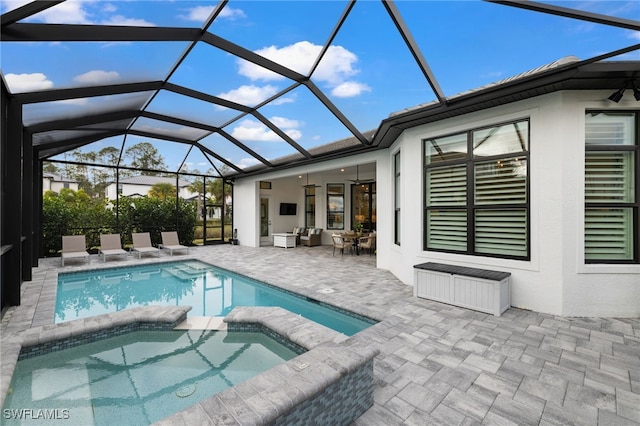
{"x": 109, "y": 7}
{"x": 9, "y": 5}
{"x": 298, "y": 57}
{"x": 284, "y": 123}
{"x": 68, "y": 12}
{"x": 123, "y": 20}
{"x": 294, "y": 134}
{"x": 97, "y": 77}
{"x": 249, "y": 94}
{"x": 337, "y": 65}
{"x": 19, "y": 83}
{"x": 201, "y": 13}
{"x": 336, "y": 70}
{"x": 283, "y": 100}
{"x": 198, "y": 13}
{"x": 254, "y": 131}
{"x": 245, "y": 162}
{"x": 232, "y": 14}
{"x": 635, "y": 35}
{"x": 349, "y": 89}
{"x": 79, "y": 12}
{"x": 492, "y": 74}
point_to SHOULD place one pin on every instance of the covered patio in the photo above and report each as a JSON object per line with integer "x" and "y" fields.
{"x": 438, "y": 364}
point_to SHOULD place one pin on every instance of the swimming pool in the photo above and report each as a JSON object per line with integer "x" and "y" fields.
{"x": 211, "y": 291}
{"x": 139, "y": 377}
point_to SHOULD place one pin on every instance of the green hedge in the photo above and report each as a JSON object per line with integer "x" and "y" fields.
{"x": 72, "y": 213}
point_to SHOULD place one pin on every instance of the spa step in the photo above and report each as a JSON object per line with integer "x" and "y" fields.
{"x": 202, "y": 323}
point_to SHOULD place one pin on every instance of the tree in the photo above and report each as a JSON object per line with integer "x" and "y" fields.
{"x": 80, "y": 172}
{"x": 162, "y": 191}
{"x": 101, "y": 176}
{"x": 49, "y": 167}
{"x": 109, "y": 155}
{"x": 145, "y": 156}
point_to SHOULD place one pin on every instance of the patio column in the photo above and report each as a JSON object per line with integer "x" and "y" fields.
{"x": 11, "y": 203}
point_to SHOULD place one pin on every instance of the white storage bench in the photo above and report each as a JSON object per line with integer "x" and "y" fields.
{"x": 478, "y": 289}
{"x": 284, "y": 240}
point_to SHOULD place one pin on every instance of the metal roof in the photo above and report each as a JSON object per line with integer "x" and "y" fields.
{"x": 166, "y": 100}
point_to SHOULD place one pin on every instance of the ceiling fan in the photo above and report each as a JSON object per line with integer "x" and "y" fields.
{"x": 309, "y": 185}
{"x": 358, "y": 181}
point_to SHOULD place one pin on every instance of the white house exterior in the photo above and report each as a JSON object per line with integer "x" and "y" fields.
{"x": 551, "y": 272}
{"x": 139, "y": 186}
{"x": 53, "y": 182}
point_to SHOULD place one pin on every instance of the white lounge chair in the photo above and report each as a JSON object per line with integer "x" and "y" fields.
{"x": 110, "y": 245}
{"x": 142, "y": 244}
{"x": 170, "y": 242}
{"x": 74, "y": 247}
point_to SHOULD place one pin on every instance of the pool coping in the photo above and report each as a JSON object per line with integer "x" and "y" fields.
{"x": 259, "y": 400}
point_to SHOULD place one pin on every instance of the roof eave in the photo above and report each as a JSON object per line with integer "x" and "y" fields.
{"x": 577, "y": 76}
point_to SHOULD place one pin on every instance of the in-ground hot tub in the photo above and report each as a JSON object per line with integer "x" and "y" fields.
{"x": 330, "y": 382}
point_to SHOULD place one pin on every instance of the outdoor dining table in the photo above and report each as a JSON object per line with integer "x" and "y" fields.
{"x": 355, "y": 241}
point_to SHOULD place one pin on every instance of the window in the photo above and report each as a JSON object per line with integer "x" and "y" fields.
{"x": 310, "y": 206}
{"x": 396, "y": 200}
{"x": 611, "y": 187}
{"x": 363, "y": 206}
{"x": 477, "y": 192}
{"x": 335, "y": 206}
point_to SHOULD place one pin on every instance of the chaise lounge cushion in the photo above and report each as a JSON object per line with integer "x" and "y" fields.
{"x": 298, "y": 232}
{"x": 313, "y": 237}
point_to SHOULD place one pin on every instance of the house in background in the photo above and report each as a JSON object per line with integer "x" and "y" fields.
{"x": 139, "y": 186}
{"x": 53, "y": 182}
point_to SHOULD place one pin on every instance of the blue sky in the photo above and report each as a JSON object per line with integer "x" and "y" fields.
{"x": 368, "y": 73}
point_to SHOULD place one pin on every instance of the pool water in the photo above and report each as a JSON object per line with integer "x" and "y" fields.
{"x": 210, "y": 291}
{"x": 137, "y": 378}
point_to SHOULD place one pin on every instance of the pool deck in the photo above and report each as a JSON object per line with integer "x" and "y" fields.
{"x": 438, "y": 364}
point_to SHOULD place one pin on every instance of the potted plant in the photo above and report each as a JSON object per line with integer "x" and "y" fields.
{"x": 358, "y": 227}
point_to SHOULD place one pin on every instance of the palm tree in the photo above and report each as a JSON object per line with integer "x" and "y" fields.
{"x": 162, "y": 191}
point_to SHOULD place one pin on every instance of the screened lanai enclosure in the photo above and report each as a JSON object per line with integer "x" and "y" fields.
{"x": 119, "y": 103}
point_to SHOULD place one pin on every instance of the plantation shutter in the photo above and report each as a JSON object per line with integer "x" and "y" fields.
{"x": 446, "y": 227}
{"x": 608, "y": 231}
{"x": 502, "y": 232}
{"x": 447, "y": 186}
{"x": 608, "y": 234}
{"x": 608, "y": 177}
{"x": 501, "y": 186}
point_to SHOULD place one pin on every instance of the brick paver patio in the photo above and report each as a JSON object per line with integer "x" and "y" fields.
{"x": 438, "y": 364}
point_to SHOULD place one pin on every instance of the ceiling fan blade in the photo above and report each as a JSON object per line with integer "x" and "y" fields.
{"x": 357, "y": 180}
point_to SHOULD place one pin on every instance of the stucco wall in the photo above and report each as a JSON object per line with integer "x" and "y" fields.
{"x": 555, "y": 280}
